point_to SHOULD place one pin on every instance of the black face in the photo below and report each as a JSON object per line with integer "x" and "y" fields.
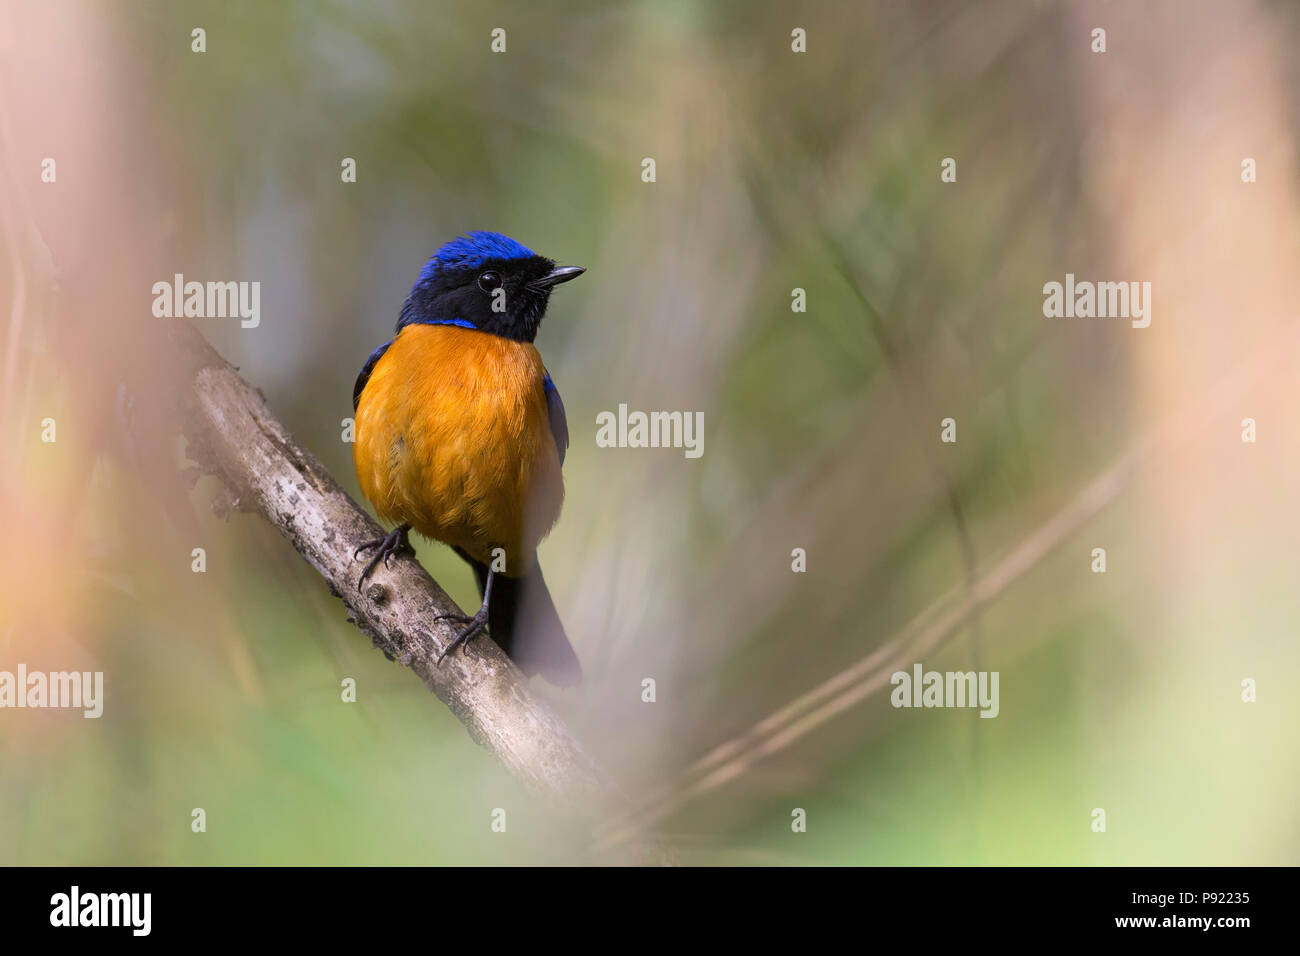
{"x": 506, "y": 297}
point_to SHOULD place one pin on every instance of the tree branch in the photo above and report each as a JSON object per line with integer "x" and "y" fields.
{"x": 233, "y": 435}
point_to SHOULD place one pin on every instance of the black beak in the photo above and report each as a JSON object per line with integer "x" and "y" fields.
{"x": 556, "y": 276}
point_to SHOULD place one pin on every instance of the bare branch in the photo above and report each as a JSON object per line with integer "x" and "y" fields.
{"x": 233, "y": 435}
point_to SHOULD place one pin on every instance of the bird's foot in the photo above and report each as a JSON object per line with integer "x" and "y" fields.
{"x": 473, "y": 625}
{"x": 395, "y": 542}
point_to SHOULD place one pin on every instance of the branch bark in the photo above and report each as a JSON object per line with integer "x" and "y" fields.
{"x": 233, "y": 435}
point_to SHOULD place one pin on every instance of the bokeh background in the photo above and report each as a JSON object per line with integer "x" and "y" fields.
{"x": 775, "y": 170}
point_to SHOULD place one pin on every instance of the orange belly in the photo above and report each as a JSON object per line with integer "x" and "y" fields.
{"x": 453, "y": 438}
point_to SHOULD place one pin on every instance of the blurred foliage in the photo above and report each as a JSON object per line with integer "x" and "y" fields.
{"x": 775, "y": 171}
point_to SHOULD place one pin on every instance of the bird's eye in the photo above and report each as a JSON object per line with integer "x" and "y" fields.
{"x": 489, "y": 281}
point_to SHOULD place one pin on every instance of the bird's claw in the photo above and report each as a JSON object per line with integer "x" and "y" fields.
{"x": 395, "y": 542}
{"x": 473, "y": 625}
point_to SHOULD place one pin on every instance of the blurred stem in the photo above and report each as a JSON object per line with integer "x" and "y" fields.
{"x": 941, "y": 621}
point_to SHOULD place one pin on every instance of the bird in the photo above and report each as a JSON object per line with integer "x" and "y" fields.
{"x": 460, "y": 435}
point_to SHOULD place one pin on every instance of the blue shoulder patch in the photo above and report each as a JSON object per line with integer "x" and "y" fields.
{"x": 555, "y": 412}
{"x": 364, "y": 377}
{"x": 459, "y": 323}
{"x": 468, "y": 251}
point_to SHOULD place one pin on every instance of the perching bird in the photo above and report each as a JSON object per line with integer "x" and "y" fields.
{"x": 460, "y": 435}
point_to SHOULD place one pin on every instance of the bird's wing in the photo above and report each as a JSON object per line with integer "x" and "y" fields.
{"x": 559, "y": 422}
{"x": 364, "y": 377}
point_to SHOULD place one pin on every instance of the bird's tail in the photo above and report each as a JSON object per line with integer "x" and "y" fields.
{"x": 522, "y": 619}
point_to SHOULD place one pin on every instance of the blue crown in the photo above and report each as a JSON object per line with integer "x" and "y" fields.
{"x": 469, "y": 251}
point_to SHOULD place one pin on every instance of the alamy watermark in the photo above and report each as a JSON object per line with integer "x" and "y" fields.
{"x": 923, "y": 688}
{"x": 75, "y": 908}
{"x": 626, "y": 429}
{"x": 210, "y": 300}
{"x": 1102, "y": 300}
{"x": 55, "y": 689}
